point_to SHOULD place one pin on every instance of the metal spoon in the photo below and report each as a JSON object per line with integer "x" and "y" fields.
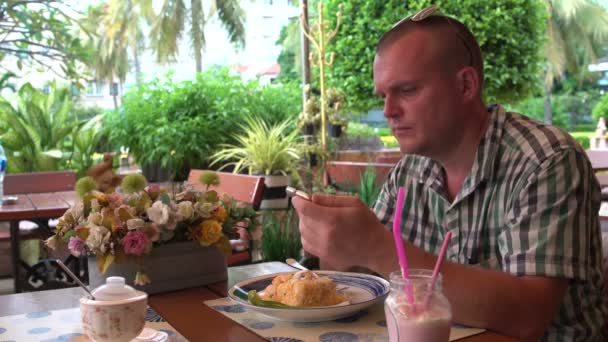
{"x": 293, "y": 263}
{"x": 73, "y": 276}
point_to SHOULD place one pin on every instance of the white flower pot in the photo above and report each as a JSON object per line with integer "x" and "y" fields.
{"x": 274, "y": 196}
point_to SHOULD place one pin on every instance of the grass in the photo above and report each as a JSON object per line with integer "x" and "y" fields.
{"x": 280, "y": 236}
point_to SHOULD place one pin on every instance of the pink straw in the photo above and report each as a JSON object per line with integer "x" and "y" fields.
{"x": 438, "y": 263}
{"x": 399, "y": 245}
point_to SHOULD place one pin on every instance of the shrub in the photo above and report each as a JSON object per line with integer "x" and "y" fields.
{"x": 182, "y": 124}
{"x": 510, "y": 33}
{"x": 601, "y": 109}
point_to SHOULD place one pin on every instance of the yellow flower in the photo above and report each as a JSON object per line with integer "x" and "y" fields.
{"x": 220, "y": 214}
{"x": 210, "y": 232}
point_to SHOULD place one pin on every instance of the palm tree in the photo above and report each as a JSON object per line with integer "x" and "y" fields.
{"x": 576, "y": 30}
{"x": 120, "y": 38}
{"x": 171, "y": 22}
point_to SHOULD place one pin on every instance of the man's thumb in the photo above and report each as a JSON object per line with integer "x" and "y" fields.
{"x": 336, "y": 201}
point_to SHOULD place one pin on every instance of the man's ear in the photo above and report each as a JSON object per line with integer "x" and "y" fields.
{"x": 468, "y": 83}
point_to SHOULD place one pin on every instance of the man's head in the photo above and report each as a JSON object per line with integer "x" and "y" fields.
{"x": 429, "y": 71}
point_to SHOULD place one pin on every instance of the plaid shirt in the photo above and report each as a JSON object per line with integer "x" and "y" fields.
{"x": 529, "y": 207}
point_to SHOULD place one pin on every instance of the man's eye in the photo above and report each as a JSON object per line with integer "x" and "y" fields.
{"x": 406, "y": 91}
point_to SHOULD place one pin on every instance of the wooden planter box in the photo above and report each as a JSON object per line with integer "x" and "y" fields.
{"x": 170, "y": 267}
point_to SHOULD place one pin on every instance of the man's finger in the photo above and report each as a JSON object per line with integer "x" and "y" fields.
{"x": 336, "y": 201}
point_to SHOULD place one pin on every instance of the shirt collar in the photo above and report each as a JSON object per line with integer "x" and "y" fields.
{"x": 431, "y": 174}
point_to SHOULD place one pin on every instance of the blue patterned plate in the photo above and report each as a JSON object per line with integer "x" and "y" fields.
{"x": 363, "y": 290}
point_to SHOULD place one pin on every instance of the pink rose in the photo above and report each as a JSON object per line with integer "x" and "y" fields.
{"x": 115, "y": 199}
{"x": 76, "y": 246}
{"x": 135, "y": 243}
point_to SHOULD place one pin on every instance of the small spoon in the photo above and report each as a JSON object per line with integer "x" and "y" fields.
{"x": 293, "y": 263}
{"x": 73, "y": 276}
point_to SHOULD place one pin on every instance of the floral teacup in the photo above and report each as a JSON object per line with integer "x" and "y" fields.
{"x": 109, "y": 318}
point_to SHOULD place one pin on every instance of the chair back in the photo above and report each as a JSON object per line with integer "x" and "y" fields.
{"x": 39, "y": 182}
{"x": 243, "y": 188}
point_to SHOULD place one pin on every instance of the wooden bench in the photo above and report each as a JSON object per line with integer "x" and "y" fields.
{"x": 243, "y": 188}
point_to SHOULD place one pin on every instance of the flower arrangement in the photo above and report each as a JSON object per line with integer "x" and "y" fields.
{"x": 127, "y": 225}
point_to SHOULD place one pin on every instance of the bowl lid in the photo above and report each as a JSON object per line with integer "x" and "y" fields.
{"x": 114, "y": 289}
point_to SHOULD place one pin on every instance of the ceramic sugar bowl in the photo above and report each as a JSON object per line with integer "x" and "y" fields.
{"x": 117, "y": 314}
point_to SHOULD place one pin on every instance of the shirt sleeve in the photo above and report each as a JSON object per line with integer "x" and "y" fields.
{"x": 552, "y": 226}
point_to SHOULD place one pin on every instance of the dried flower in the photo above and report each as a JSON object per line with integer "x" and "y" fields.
{"x": 135, "y": 243}
{"x": 112, "y": 225}
{"x": 159, "y": 213}
{"x": 133, "y": 183}
{"x": 85, "y": 185}
{"x": 135, "y": 223}
{"x": 185, "y": 209}
{"x": 209, "y": 178}
{"x": 210, "y": 232}
{"x": 77, "y": 246}
{"x": 141, "y": 278}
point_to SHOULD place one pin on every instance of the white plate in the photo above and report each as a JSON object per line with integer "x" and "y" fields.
{"x": 363, "y": 290}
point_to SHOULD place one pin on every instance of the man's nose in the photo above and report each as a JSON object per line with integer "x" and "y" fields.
{"x": 391, "y": 108}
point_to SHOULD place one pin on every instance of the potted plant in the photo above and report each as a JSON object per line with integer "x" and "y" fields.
{"x": 264, "y": 150}
{"x": 312, "y": 154}
{"x": 167, "y": 241}
{"x": 337, "y": 117}
{"x": 310, "y": 117}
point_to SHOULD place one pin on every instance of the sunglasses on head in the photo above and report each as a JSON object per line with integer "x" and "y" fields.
{"x": 432, "y": 11}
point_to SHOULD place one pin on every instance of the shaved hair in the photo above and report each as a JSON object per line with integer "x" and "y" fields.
{"x": 457, "y": 45}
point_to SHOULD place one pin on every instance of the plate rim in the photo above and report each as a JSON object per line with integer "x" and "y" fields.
{"x": 384, "y": 282}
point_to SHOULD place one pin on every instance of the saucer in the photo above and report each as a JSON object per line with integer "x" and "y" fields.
{"x": 146, "y": 335}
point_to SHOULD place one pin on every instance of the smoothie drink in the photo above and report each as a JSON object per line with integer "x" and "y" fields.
{"x": 415, "y": 322}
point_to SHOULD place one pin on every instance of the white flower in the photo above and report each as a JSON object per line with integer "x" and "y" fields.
{"x": 205, "y": 210}
{"x": 51, "y": 242}
{"x": 158, "y": 213}
{"x": 95, "y": 219}
{"x": 77, "y": 211}
{"x": 136, "y": 223}
{"x": 98, "y": 238}
{"x": 95, "y": 206}
{"x": 185, "y": 209}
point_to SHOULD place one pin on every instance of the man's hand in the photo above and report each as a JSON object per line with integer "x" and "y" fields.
{"x": 343, "y": 232}
{"x": 340, "y": 230}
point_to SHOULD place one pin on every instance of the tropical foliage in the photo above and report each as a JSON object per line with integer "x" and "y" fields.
{"x": 601, "y": 109}
{"x": 182, "y": 124}
{"x": 42, "y": 33}
{"x": 510, "y": 33}
{"x": 171, "y": 23}
{"x": 577, "y": 30}
{"x": 38, "y": 125}
{"x": 262, "y": 148}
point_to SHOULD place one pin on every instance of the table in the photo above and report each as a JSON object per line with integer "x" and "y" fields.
{"x": 41, "y": 206}
{"x": 183, "y": 309}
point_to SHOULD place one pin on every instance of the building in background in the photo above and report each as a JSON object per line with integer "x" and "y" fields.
{"x": 258, "y": 59}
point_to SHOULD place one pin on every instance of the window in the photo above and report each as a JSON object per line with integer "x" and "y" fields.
{"x": 94, "y": 88}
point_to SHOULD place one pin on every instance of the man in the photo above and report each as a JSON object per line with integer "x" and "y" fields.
{"x": 519, "y": 197}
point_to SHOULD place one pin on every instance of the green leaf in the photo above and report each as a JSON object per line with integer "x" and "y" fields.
{"x": 255, "y": 299}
